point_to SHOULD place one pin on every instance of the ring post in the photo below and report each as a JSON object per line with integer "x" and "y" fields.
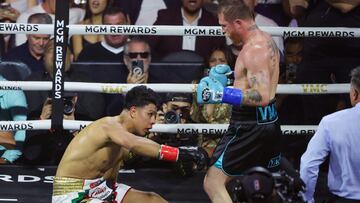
{"x": 61, "y": 37}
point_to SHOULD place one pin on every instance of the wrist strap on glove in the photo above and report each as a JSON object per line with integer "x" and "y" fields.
{"x": 168, "y": 153}
{"x": 232, "y": 96}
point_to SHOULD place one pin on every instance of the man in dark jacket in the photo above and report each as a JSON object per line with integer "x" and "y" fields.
{"x": 191, "y": 13}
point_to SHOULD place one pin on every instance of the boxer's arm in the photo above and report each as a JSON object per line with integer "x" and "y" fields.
{"x": 136, "y": 144}
{"x": 259, "y": 60}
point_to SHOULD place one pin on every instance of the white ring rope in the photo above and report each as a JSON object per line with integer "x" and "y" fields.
{"x": 193, "y": 129}
{"x": 114, "y": 88}
{"x": 23, "y": 28}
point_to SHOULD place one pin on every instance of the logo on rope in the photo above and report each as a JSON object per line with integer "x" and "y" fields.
{"x": 314, "y": 88}
{"x": 322, "y": 33}
{"x": 120, "y": 29}
{"x": 10, "y": 27}
{"x": 113, "y": 89}
{"x": 12, "y": 127}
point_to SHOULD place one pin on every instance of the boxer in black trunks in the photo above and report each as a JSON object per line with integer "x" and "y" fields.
{"x": 253, "y": 137}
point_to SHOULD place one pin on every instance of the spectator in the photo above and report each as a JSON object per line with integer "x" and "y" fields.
{"x": 93, "y": 16}
{"x": 12, "y": 108}
{"x": 112, "y": 47}
{"x": 326, "y": 59}
{"x": 337, "y": 137}
{"x": 274, "y": 9}
{"x": 46, "y": 147}
{"x": 31, "y": 53}
{"x": 47, "y": 6}
{"x": 89, "y": 106}
{"x": 137, "y": 54}
{"x": 22, "y": 5}
{"x": 213, "y": 113}
{"x": 144, "y": 12}
{"x": 190, "y": 13}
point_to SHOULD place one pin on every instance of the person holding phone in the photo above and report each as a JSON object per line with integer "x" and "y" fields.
{"x": 137, "y": 58}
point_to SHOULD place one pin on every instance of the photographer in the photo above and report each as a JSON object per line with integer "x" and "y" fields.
{"x": 175, "y": 109}
{"x": 46, "y": 147}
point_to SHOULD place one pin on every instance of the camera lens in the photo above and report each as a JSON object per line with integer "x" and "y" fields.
{"x": 171, "y": 117}
{"x": 68, "y": 106}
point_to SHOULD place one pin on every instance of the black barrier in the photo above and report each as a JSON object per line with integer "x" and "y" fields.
{"x": 28, "y": 185}
{"x": 158, "y": 72}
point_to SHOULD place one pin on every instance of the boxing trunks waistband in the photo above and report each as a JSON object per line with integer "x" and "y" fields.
{"x": 67, "y": 189}
{"x": 259, "y": 114}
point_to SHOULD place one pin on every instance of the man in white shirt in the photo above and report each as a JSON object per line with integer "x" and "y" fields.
{"x": 48, "y": 6}
{"x": 338, "y": 137}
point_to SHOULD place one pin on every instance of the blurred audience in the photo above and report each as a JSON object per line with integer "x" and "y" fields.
{"x": 46, "y": 147}
{"x": 326, "y": 59}
{"x": 191, "y": 13}
{"x": 276, "y": 10}
{"x": 47, "y": 6}
{"x": 111, "y": 49}
{"x": 13, "y": 107}
{"x": 89, "y": 106}
{"x": 32, "y": 51}
{"x": 22, "y": 5}
{"x": 337, "y": 138}
{"x": 137, "y": 58}
{"x": 144, "y": 12}
{"x": 93, "y": 16}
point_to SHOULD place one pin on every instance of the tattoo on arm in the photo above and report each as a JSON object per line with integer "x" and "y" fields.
{"x": 253, "y": 95}
{"x": 253, "y": 81}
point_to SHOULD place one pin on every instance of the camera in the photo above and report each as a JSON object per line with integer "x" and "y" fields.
{"x": 69, "y": 106}
{"x": 171, "y": 117}
{"x": 285, "y": 186}
{"x": 137, "y": 67}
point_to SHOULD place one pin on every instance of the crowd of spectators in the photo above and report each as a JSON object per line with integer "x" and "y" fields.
{"x": 304, "y": 60}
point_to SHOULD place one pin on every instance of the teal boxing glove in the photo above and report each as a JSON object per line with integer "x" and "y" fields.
{"x": 209, "y": 91}
{"x": 11, "y": 155}
{"x": 220, "y": 73}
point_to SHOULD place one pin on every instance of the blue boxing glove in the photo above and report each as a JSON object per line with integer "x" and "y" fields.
{"x": 11, "y": 155}
{"x": 220, "y": 73}
{"x": 211, "y": 91}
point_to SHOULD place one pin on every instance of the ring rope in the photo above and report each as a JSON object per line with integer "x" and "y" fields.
{"x": 160, "y": 128}
{"x": 171, "y": 30}
{"x": 115, "y": 88}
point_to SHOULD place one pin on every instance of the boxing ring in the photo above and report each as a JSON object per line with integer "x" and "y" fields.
{"x": 23, "y": 178}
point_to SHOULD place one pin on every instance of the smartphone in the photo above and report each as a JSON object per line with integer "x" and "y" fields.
{"x": 137, "y": 67}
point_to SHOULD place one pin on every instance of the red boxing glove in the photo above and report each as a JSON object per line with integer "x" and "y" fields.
{"x": 168, "y": 153}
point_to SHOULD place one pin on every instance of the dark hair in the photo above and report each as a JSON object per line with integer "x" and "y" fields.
{"x": 228, "y": 56}
{"x": 355, "y": 78}
{"x": 40, "y": 18}
{"x": 140, "y": 96}
{"x": 113, "y": 10}
{"x": 235, "y": 9}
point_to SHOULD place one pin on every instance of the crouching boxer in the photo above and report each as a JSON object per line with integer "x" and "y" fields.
{"x": 89, "y": 167}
